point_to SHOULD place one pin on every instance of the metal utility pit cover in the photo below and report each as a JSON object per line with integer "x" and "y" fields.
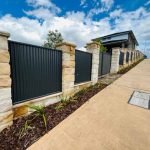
{"x": 140, "y": 99}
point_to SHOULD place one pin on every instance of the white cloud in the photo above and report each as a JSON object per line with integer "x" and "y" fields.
{"x": 138, "y": 21}
{"x": 116, "y": 13}
{"x": 76, "y": 16}
{"x": 82, "y": 2}
{"x": 40, "y": 13}
{"x": 94, "y": 11}
{"x": 107, "y": 4}
{"x": 100, "y": 6}
{"x": 22, "y": 29}
{"x": 147, "y": 3}
{"x": 72, "y": 26}
{"x": 44, "y": 4}
{"x": 36, "y": 3}
{"x": 77, "y": 28}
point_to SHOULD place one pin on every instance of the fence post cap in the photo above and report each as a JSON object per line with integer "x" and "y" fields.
{"x": 6, "y": 34}
{"x": 92, "y": 44}
{"x": 66, "y": 43}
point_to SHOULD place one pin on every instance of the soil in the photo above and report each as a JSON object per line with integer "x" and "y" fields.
{"x": 124, "y": 70}
{"x": 13, "y": 139}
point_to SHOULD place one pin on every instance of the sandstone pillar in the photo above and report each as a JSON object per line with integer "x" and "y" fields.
{"x": 94, "y": 48}
{"x": 68, "y": 67}
{"x": 115, "y": 60}
{"x": 6, "y": 113}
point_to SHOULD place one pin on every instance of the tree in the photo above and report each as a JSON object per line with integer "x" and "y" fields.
{"x": 53, "y": 38}
{"x": 102, "y": 47}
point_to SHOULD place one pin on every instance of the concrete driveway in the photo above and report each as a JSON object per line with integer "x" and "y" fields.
{"x": 107, "y": 121}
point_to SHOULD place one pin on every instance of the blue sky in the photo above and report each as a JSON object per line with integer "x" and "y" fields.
{"x": 79, "y": 21}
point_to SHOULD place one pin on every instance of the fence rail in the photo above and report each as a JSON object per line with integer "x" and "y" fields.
{"x": 83, "y": 66}
{"x": 36, "y": 71}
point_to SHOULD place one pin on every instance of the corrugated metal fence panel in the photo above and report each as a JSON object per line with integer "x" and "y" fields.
{"x": 83, "y": 66}
{"x": 121, "y": 58}
{"x": 36, "y": 71}
{"x": 104, "y": 63}
{"x": 131, "y": 56}
{"x": 127, "y": 57}
{"x": 100, "y": 64}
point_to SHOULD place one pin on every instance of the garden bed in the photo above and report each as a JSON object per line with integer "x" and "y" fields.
{"x": 26, "y": 130}
{"x": 126, "y": 69}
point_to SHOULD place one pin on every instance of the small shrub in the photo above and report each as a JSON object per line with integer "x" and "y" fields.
{"x": 39, "y": 109}
{"x": 124, "y": 70}
{"x": 24, "y": 129}
{"x": 80, "y": 93}
{"x": 64, "y": 100}
{"x": 58, "y": 107}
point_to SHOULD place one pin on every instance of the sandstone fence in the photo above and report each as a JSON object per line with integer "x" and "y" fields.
{"x": 10, "y": 110}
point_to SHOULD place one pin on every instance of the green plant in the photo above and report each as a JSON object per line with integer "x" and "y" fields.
{"x": 24, "y": 129}
{"x": 102, "y": 47}
{"x": 39, "y": 109}
{"x": 59, "y": 106}
{"x": 53, "y": 38}
{"x": 81, "y": 92}
{"x": 64, "y": 100}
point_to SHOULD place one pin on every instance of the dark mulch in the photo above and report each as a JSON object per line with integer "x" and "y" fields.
{"x": 9, "y": 137}
{"x": 124, "y": 70}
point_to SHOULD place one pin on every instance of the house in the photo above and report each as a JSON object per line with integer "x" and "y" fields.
{"x": 124, "y": 39}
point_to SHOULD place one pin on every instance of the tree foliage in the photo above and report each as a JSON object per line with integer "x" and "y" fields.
{"x": 53, "y": 38}
{"x": 102, "y": 47}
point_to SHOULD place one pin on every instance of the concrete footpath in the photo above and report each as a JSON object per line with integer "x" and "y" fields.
{"x": 107, "y": 121}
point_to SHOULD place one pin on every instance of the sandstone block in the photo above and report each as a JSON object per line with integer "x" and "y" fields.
{"x": 5, "y": 93}
{"x": 4, "y": 43}
{"x": 66, "y": 56}
{"x": 68, "y": 71}
{"x": 68, "y": 92}
{"x": 68, "y": 64}
{"x": 4, "y": 69}
{"x": 5, "y": 81}
{"x": 4, "y": 56}
{"x": 68, "y": 49}
{"x": 5, "y": 105}
{"x": 66, "y": 78}
{"x": 6, "y": 117}
{"x": 68, "y": 85}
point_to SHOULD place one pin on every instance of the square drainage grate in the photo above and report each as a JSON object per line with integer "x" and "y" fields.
{"x": 140, "y": 99}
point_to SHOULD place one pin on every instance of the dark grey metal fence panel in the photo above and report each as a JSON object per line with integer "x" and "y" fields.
{"x": 121, "y": 58}
{"x": 127, "y": 57}
{"x": 104, "y": 63}
{"x": 83, "y": 66}
{"x": 131, "y": 56}
{"x": 100, "y": 64}
{"x": 36, "y": 71}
